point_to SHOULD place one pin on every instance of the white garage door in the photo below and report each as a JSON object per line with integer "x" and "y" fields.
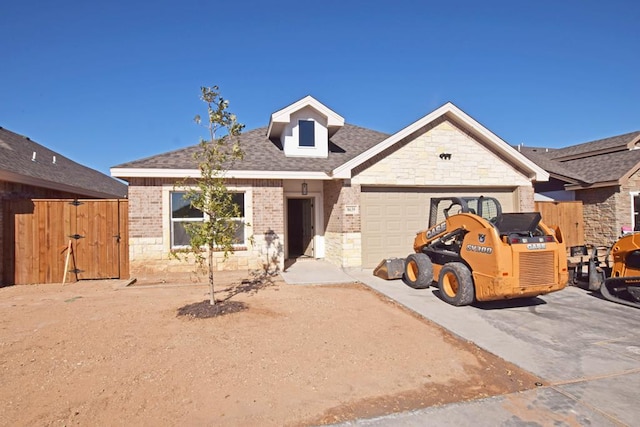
{"x": 391, "y": 217}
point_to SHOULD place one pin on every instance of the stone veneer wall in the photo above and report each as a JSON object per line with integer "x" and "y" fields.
{"x": 149, "y": 247}
{"x": 600, "y": 213}
{"x": 625, "y": 206}
{"x": 416, "y": 161}
{"x": 14, "y": 191}
{"x": 342, "y": 229}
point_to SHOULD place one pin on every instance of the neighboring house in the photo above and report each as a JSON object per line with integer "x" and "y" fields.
{"x": 314, "y": 186}
{"x": 604, "y": 175}
{"x": 29, "y": 170}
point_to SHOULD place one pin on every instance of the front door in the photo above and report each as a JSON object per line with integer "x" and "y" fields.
{"x": 300, "y": 228}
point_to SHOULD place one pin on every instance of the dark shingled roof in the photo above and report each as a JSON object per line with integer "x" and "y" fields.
{"x": 262, "y": 154}
{"x": 614, "y": 143}
{"x": 604, "y": 160}
{"x": 543, "y": 158}
{"x": 16, "y": 154}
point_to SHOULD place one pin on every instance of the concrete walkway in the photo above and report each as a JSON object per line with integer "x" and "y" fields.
{"x": 306, "y": 271}
{"x": 586, "y": 350}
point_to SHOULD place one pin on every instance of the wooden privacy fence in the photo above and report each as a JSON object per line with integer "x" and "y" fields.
{"x": 566, "y": 215}
{"x": 38, "y": 233}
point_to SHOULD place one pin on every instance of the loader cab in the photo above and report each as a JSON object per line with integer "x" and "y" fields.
{"x": 485, "y": 207}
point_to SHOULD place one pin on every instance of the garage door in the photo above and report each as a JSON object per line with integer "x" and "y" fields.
{"x": 391, "y": 217}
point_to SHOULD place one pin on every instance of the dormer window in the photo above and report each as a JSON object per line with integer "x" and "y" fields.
{"x": 304, "y": 128}
{"x": 306, "y": 131}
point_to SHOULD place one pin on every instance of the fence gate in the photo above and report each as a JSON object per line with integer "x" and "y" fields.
{"x": 37, "y": 235}
{"x": 566, "y": 215}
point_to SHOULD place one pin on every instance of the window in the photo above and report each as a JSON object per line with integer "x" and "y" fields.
{"x": 238, "y": 199}
{"x": 182, "y": 213}
{"x": 306, "y": 133}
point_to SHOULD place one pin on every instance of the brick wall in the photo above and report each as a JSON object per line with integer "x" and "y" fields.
{"x": 145, "y": 208}
{"x": 149, "y": 221}
{"x": 268, "y": 224}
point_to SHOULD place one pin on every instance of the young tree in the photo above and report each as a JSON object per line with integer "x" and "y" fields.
{"x": 210, "y": 195}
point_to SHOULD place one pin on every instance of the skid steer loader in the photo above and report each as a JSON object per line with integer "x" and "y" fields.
{"x": 475, "y": 252}
{"x": 613, "y": 271}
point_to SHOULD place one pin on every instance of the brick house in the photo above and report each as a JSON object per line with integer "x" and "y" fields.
{"x": 604, "y": 175}
{"x": 29, "y": 170}
{"x": 314, "y": 186}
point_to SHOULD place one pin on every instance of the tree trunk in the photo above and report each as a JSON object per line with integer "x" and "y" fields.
{"x": 212, "y": 300}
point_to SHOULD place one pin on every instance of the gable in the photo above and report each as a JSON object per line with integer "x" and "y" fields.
{"x": 467, "y": 125}
{"x": 441, "y": 154}
{"x": 304, "y": 128}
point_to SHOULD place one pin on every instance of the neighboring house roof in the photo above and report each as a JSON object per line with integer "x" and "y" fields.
{"x": 623, "y": 142}
{"x": 542, "y": 157}
{"x": 349, "y": 147}
{"x": 604, "y": 162}
{"x": 27, "y": 162}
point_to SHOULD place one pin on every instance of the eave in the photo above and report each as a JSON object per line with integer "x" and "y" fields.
{"x": 36, "y": 182}
{"x": 601, "y": 184}
{"x": 124, "y": 173}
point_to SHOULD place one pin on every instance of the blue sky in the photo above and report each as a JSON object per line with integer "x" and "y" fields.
{"x": 104, "y": 83}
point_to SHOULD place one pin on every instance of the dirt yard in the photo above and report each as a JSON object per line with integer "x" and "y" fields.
{"x": 95, "y": 353}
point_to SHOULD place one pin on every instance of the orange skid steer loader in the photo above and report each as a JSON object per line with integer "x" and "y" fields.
{"x": 477, "y": 253}
{"x": 617, "y": 281}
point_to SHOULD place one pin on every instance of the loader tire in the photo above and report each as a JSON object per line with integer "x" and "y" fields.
{"x": 456, "y": 284}
{"x": 418, "y": 271}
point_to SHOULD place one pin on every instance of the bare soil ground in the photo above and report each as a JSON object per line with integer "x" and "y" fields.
{"x": 95, "y": 353}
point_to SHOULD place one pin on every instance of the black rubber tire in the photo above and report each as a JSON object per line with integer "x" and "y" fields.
{"x": 418, "y": 271}
{"x": 456, "y": 284}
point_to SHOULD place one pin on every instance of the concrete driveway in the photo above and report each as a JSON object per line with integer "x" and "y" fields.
{"x": 586, "y": 350}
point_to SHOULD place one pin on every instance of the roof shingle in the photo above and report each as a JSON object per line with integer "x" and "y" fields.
{"x": 52, "y": 170}
{"x": 601, "y": 161}
{"x": 262, "y": 154}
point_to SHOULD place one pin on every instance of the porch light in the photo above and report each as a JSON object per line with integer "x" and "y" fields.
{"x": 305, "y": 189}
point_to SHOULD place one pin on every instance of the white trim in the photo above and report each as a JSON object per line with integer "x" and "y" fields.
{"x": 283, "y": 116}
{"x": 632, "y": 194}
{"x": 537, "y": 173}
{"x": 124, "y": 173}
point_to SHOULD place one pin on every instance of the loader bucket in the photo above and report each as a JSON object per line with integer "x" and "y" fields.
{"x": 390, "y": 268}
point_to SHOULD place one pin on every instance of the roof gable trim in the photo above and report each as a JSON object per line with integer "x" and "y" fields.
{"x": 283, "y": 116}
{"x": 449, "y": 109}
